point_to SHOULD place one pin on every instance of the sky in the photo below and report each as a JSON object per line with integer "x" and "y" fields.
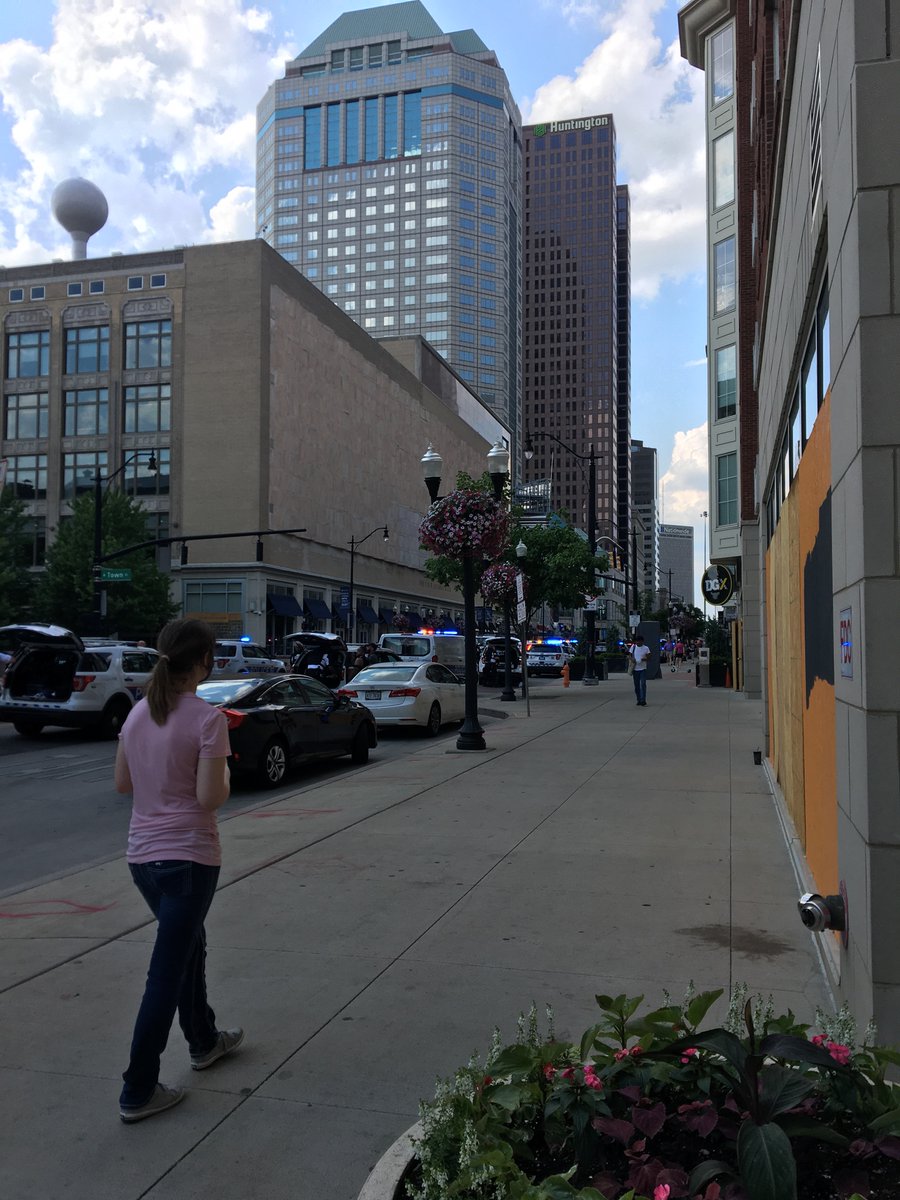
{"x": 155, "y": 102}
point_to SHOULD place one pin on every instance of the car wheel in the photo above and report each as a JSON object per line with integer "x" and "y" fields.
{"x": 433, "y": 727}
{"x": 114, "y": 717}
{"x": 27, "y": 728}
{"x": 273, "y": 765}
{"x": 360, "y": 751}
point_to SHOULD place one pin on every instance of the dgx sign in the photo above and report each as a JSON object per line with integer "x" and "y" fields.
{"x": 717, "y": 584}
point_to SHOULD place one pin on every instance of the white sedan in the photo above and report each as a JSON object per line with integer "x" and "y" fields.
{"x": 428, "y": 695}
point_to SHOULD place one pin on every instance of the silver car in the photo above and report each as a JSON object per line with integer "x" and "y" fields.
{"x": 234, "y": 656}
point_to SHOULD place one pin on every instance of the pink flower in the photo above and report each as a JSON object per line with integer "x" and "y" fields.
{"x": 620, "y": 1054}
{"x": 661, "y": 1192}
{"x": 591, "y": 1078}
{"x": 688, "y": 1054}
{"x": 568, "y": 1073}
{"x": 549, "y": 1071}
{"x": 840, "y": 1054}
{"x": 635, "y": 1051}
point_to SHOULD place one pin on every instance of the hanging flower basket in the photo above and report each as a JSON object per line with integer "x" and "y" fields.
{"x": 465, "y": 524}
{"x": 400, "y": 623}
{"x": 498, "y": 583}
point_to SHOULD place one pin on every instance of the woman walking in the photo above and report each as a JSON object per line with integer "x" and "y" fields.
{"x": 173, "y": 758}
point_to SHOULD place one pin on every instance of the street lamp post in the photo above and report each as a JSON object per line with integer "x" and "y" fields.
{"x": 99, "y": 480}
{"x": 354, "y": 543}
{"x": 471, "y": 735}
{"x": 590, "y": 675}
{"x": 705, "y": 516}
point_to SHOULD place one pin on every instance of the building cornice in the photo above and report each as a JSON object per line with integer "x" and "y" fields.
{"x": 696, "y": 21}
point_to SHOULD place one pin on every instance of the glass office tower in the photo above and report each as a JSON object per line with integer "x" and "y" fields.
{"x": 389, "y": 173}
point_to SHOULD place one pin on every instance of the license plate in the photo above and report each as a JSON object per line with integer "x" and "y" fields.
{"x": 373, "y": 695}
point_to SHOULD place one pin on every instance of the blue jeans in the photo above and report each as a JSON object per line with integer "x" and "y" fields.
{"x": 179, "y": 894}
{"x": 640, "y": 685}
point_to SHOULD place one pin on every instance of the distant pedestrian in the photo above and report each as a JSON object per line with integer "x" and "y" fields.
{"x": 640, "y": 654}
{"x": 679, "y": 651}
{"x": 173, "y": 758}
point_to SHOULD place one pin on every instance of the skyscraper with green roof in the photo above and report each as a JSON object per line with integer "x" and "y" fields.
{"x": 389, "y": 173}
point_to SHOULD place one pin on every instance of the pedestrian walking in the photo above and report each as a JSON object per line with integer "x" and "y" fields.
{"x": 639, "y": 655}
{"x": 679, "y": 651}
{"x": 173, "y": 759}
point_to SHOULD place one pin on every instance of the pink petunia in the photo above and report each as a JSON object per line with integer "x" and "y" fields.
{"x": 620, "y": 1054}
{"x": 661, "y": 1192}
{"x": 549, "y": 1071}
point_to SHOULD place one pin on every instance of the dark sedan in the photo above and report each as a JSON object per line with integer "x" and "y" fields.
{"x": 275, "y": 724}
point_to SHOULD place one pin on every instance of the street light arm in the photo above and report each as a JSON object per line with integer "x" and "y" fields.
{"x": 357, "y": 542}
{"x": 543, "y": 433}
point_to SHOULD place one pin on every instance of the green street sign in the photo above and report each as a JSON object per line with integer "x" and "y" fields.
{"x": 115, "y": 574}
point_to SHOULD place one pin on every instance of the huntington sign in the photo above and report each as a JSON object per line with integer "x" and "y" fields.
{"x": 568, "y": 126}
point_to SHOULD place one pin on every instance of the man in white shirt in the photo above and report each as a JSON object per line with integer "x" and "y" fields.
{"x": 640, "y": 654}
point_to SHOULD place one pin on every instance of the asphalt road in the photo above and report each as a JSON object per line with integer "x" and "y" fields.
{"x": 59, "y": 811}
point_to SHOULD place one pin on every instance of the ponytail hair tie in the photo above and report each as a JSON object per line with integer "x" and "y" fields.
{"x": 164, "y": 657}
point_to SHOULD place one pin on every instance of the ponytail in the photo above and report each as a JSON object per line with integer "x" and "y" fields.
{"x": 183, "y": 644}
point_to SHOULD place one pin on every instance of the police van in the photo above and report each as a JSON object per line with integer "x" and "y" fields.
{"x": 446, "y": 648}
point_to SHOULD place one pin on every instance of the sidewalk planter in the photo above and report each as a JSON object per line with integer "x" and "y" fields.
{"x": 649, "y": 1105}
{"x": 717, "y": 671}
{"x": 576, "y": 668}
{"x": 617, "y": 662}
{"x": 392, "y": 1168}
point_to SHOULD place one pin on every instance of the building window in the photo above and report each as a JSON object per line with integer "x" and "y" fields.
{"x": 73, "y": 289}
{"x": 815, "y": 140}
{"x": 139, "y": 480}
{"x": 148, "y": 409}
{"x": 80, "y": 470}
{"x": 87, "y": 349}
{"x": 96, "y": 287}
{"x": 16, "y": 295}
{"x": 726, "y": 382}
{"x": 26, "y": 474}
{"x": 391, "y": 129}
{"x": 86, "y": 412}
{"x": 38, "y": 293}
{"x": 26, "y": 415}
{"x": 724, "y": 266}
{"x": 726, "y": 489}
{"x": 333, "y": 132}
{"x": 721, "y": 58}
{"x": 351, "y": 136}
{"x": 148, "y": 344}
{"x": 412, "y": 123}
{"x": 157, "y": 281}
{"x": 135, "y": 283}
{"x": 723, "y": 170}
{"x": 371, "y": 129}
{"x": 312, "y": 137}
{"x": 28, "y": 354}
{"x": 214, "y": 597}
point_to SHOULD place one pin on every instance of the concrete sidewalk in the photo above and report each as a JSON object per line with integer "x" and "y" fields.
{"x": 370, "y": 932}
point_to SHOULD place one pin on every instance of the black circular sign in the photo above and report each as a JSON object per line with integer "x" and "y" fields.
{"x": 717, "y": 584}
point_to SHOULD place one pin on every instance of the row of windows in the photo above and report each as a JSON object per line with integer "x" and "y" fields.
{"x": 367, "y": 130}
{"x": 96, "y": 287}
{"x": 807, "y": 396}
{"x": 148, "y": 344}
{"x": 27, "y": 474}
{"x": 85, "y": 411}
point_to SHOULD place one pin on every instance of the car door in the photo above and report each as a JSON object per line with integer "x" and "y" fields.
{"x": 450, "y": 691}
{"x": 336, "y": 719}
{"x": 294, "y": 716}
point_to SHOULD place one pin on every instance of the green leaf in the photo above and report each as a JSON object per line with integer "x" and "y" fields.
{"x": 700, "y": 1006}
{"x": 785, "y": 1045}
{"x": 587, "y": 1040}
{"x": 513, "y": 1060}
{"x": 795, "y": 1125}
{"x": 706, "y": 1172}
{"x": 782, "y": 1089}
{"x": 507, "y": 1095}
{"x": 720, "y": 1041}
{"x": 766, "y": 1162}
{"x": 884, "y": 1054}
{"x": 888, "y": 1120}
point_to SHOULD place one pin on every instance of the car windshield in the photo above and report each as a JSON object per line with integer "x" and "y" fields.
{"x": 418, "y": 646}
{"x": 386, "y": 674}
{"x": 229, "y": 691}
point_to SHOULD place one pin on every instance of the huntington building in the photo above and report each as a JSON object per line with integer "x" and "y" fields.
{"x": 577, "y": 302}
{"x": 389, "y": 173}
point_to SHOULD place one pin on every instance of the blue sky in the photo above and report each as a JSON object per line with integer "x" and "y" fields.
{"x": 155, "y": 101}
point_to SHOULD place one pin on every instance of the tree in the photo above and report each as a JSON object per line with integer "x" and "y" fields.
{"x": 558, "y": 566}
{"x": 66, "y": 593}
{"x": 16, "y": 581}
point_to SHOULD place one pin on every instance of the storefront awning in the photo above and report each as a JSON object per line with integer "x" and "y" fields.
{"x": 317, "y": 609}
{"x": 367, "y": 613}
{"x": 414, "y": 619}
{"x": 283, "y": 606}
{"x": 386, "y": 615}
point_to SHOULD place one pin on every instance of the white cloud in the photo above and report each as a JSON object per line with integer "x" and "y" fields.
{"x": 695, "y": 362}
{"x": 684, "y": 489}
{"x": 656, "y": 99}
{"x": 154, "y": 101}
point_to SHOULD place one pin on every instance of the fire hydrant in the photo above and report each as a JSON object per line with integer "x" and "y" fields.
{"x": 565, "y": 674}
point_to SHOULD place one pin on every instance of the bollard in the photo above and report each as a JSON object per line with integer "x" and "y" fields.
{"x": 565, "y": 674}
{"x": 728, "y": 677}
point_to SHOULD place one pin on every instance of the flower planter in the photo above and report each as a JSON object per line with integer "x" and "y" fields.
{"x": 717, "y": 672}
{"x": 576, "y": 668}
{"x": 385, "y": 1177}
{"x": 617, "y": 662}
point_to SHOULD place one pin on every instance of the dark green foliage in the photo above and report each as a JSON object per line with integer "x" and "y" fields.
{"x": 16, "y": 581}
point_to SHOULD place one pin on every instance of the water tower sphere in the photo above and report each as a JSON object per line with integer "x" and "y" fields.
{"x": 81, "y": 209}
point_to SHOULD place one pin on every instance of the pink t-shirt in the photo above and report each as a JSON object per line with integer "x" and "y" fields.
{"x": 166, "y": 820}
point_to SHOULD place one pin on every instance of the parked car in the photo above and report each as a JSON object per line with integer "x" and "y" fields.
{"x": 234, "y": 656}
{"x": 426, "y": 695}
{"x": 446, "y": 648}
{"x": 274, "y": 724}
{"x": 377, "y": 655}
{"x": 322, "y": 655}
{"x": 53, "y": 679}
{"x": 549, "y": 657}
